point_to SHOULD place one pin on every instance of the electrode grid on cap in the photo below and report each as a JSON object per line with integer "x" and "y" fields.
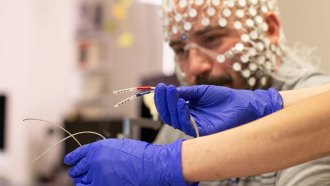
{"x": 256, "y": 54}
{"x": 146, "y": 90}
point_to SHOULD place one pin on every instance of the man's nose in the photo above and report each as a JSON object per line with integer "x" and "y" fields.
{"x": 199, "y": 63}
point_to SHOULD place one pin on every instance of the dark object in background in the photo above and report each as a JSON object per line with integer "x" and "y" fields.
{"x": 98, "y": 17}
{"x": 108, "y": 128}
{"x": 2, "y": 121}
{"x": 148, "y": 134}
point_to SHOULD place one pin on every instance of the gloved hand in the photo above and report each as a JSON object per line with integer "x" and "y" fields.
{"x": 214, "y": 108}
{"x": 126, "y": 162}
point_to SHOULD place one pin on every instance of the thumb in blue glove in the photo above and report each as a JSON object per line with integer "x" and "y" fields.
{"x": 214, "y": 108}
{"x": 126, "y": 162}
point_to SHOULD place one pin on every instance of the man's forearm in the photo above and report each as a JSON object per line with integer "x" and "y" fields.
{"x": 291, "y": 136}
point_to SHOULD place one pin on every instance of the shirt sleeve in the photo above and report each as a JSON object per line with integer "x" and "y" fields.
{"x": 312, "y": 173}
{"x": 168, "y": 134}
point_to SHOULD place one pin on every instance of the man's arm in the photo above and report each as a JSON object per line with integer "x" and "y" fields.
{"x": 289, "y": 137}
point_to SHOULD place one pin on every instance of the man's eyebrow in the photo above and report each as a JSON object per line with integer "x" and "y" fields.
{"x": 199, "y": 33}
{"x": 210, "y": 29}
{"x": 176, "y": 42}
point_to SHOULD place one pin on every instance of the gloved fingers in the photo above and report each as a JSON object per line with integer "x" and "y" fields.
{"x": 76, "y": 181}
{"x": 276, "y": 100}
{"x": 184, "y": 118}
{"x": 76, "y": 155}
{"x": 84, "y": 179}
{"x": 192, "y": 93}
{"x": 201, "y": 125}
{"x": 80, "y": 184}
{"x": 80, "y": 168}
{"x": 172, "y": 98}
{"x": 161, "y": 102}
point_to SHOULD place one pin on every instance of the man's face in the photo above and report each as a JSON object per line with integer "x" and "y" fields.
{"x": 199, "y": 66}
{"x": 227, "y": 43}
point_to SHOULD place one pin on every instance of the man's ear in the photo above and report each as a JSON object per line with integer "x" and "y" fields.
{"x": 273, "y": 22}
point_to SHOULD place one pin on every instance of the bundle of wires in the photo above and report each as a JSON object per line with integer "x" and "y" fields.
{"x": 145, "y": 90}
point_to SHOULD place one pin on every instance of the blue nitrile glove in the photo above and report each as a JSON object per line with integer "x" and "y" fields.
{"x": 214, "y": 108}
{"x": 126, "y": 162}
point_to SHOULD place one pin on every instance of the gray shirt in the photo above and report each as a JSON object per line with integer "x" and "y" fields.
{"x": 315, "y": 172}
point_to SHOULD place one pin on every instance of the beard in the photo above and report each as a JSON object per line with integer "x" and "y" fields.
{"x": 223, "y": 80}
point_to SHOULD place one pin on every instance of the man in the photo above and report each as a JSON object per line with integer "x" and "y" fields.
{"x": 239, "y": 44}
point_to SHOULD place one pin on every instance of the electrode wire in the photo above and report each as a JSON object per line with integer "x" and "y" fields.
{"x": 71, "y": 136}
{"x": 63, "y": 129}
{"x": 133, "y": 89}
{"x": 66, "y": 131}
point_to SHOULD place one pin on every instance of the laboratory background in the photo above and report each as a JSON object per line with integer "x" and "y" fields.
{"x": 60, "y": 62}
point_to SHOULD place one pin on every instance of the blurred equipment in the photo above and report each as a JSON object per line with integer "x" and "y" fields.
{"x": 109, "y": 128}
{"x": 2, "y": 122}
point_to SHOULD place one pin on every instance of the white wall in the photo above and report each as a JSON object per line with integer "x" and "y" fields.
{"x": 36, "y": 67}
{"x": 307, "y": 22}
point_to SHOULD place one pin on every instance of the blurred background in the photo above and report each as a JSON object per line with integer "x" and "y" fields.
{"x": 60, "y": 61}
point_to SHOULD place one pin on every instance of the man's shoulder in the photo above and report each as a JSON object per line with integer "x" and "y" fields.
{"x": 307, "y": 174}
{"x": 313, "y": 79}
{"x": 311, "y": 173}
{"x": 168, "y": 134}
{"x": 309, "y": 79}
